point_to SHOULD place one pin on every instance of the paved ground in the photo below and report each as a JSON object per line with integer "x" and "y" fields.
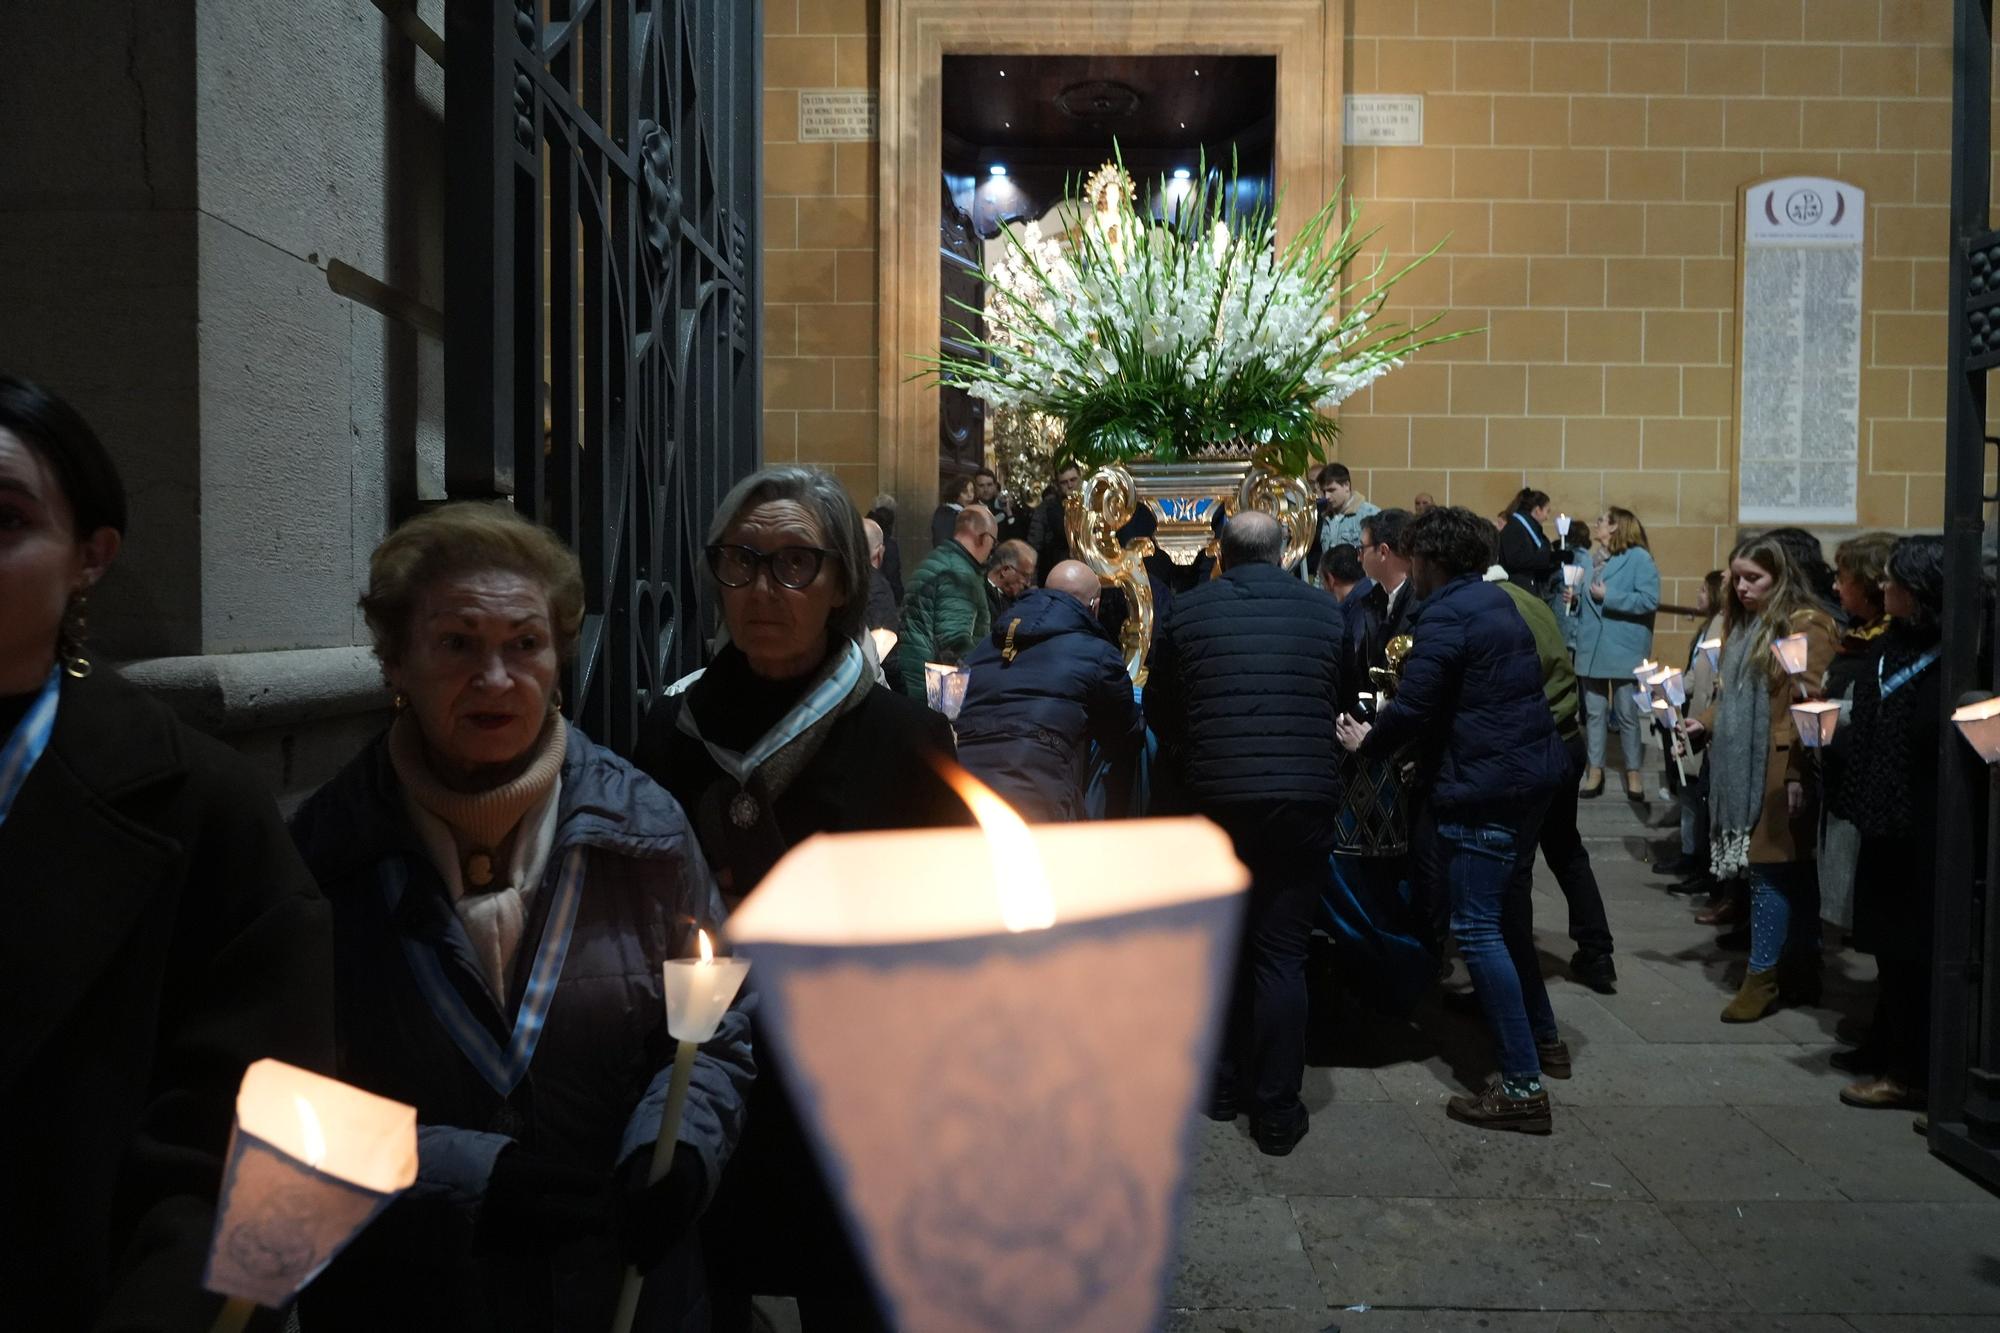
{"x": 1701, "y": 1176}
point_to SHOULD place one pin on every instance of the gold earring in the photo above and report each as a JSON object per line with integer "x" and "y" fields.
{"x": 555, "y": 700}
{"x": 70, "y": 638}
{"x": 399, "y": 701}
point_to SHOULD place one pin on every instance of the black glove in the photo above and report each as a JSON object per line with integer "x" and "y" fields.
{"x": 654, "y": 1218}
{"x": 535, "y": 1203}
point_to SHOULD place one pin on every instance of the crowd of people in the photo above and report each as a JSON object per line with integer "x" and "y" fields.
{"x": 472, "y": 916}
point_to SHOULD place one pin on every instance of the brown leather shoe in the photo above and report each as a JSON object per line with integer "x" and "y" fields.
{"x": 1494, "y": 1109}
{"x": 1883, "y": 1094}
{"x": 1724, "y": 912}
{"x": 1554, "y": 1057}
{"x": 1758, "y": 997}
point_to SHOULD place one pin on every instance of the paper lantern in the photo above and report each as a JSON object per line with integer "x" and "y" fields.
{"x": 1562, "y": 526}
{"x": 1713, "y": 649}
{"x": 1979, "y": 723}
{"x": 1672, "y": 686}
{"x": 885, "y": 643}
{"x": 997, "y": 1046}
{"x": 311, "y": 1162}
{"x": 1791, "y": 653}
{"x": 1573, "y": 576}
{"x": 944, "y": 687}
{"x": 1815, "y": 721}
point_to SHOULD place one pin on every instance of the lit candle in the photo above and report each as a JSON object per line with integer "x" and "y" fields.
{"x": 1001, "y": 1066}
{"x": 311, "y": 1162}
{"x": 1562, "y": 526}
{"x": 1668, "y": 719}
{"x": 698, "y": 992}
{"x": 1712, "y": 647}
{"x": 1572, "y": 580}
{"x": 1816, "y": 721}
{"x": 1791, "y": 652}
{"x": 1979, "y": 723}
{"x": 885, "y": 643}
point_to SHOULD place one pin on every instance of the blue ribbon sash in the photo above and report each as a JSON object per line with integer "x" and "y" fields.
{"x": 30, "y": 737}
{"x": 502, "y": 1068}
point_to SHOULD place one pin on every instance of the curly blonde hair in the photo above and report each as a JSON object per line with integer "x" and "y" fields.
{"x": 467, "y": 537}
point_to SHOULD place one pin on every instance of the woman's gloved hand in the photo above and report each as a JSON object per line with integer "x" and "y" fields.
{"x": 536, "y": 1203}
{"x": 653, "y": 1219}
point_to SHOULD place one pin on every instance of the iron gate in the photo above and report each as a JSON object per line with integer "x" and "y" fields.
{"x": 602, "y": 277}
{"x": 1965, "y": 1041}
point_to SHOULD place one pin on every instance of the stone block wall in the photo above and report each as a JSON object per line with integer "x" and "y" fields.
{"x": 1583, "y": 157}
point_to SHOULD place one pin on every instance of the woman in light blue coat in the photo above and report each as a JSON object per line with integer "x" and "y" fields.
{"x": 1614, "y": 634}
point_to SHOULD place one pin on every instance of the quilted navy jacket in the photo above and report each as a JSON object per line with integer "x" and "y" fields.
{"x": 593, "y": 1094}
{"x": 1472, "y": 689}
{"x": 1244, "y": 687}
{"x": 1031, "y": 713}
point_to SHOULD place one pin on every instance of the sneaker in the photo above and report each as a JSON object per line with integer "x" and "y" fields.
{"x": 1494, "y": 1109}
{"x": 1594, "y": 968}
{"x": 1554, "y": 1057}
{"x": 1278, "y": 1135}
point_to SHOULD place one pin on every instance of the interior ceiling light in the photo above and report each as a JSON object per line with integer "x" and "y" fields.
{"x": 1182, "y": 173}
{"x": 997, "y": 169}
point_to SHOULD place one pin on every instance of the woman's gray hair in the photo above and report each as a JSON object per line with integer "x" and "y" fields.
{"x": 839, "y": 524}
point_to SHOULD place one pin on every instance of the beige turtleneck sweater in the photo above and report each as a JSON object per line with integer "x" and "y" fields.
{"x": 490, "y": 847}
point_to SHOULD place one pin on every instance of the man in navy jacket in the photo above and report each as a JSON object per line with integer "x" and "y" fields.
{"x": 1472, "y": 687}
{"x": 1244, "y": 690}
{"x": 1046, "y": 683}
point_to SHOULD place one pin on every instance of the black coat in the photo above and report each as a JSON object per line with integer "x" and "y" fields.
{"x": 161, "y": 935}
{"x": 773, "y": 1226}
{"x": 1472, "y": 692}
{"x": 884, "y": 612}
{"x": 1244, "y": 688}
{"x": 1527, "y": 555}
{"x": 1046, "y": 683}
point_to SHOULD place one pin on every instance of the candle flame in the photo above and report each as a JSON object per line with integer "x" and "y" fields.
{"x": 707, "y": 949}
{"x": 1026, "y": 902}
{"x": 309, "y": 1128}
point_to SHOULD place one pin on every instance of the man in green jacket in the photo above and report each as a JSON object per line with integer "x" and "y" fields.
{"x": 1561, "y": 843}
{"x": 945, "y": 608}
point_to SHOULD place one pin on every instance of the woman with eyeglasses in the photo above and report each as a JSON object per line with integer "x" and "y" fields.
{"x": 787, "y": 734}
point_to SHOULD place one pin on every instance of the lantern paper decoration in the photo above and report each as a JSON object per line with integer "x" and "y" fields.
{"x": 1979, "y": 723}
{"x": 945, "y": 686}
{"x": 1671, "y": 684}
{"x": 1713, "y": 649}
{"x": 1562, "y": 526}
{"x": 1791, "y": 653}
{"x": 885, "y": 643}
{"x": 997, "y": 1042}
{"x": 311, "y": 1162}
{"x": 1816, "y": 721}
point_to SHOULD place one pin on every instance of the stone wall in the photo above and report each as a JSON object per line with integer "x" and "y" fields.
{"x": 182, "y": 181}
{"x": 1584, "y": 158}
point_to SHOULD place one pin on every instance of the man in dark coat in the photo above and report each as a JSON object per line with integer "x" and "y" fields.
{"x": 1472, "y": 691}
{"x": 1047, "y": 531}
{"x": 883, "y": 612}
{"x": 1244, "y": 688}
{"x": 161, "y": 935}
{"x": 1045, "y": 685}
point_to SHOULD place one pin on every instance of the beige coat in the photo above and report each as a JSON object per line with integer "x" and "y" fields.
{"x": 1780, "y": 835}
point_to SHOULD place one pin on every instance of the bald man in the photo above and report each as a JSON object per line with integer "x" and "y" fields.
{"x": 1245, "y": 686}
{"x": 883, "y": 612}
{"x": 1049, "y": 700}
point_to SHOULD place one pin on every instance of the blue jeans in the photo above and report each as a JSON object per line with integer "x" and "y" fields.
{"x": 1493, "y": 918}
{"x": 1602, "y": 701}
{"x": 1784, "y": 912}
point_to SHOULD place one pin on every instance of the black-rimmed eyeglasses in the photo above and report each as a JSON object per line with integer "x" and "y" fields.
{"x": 792, "y": 567}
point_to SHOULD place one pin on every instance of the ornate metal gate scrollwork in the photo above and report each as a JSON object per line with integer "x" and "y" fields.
{"x": 601, "y": 275}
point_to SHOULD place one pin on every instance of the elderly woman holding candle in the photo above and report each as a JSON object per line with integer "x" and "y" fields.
{"x": 786, "y": 735}
{"x": 1887, "y": 781}
{"x": 505, "y": 894}
{"x": 1763, "y": 799}
{"x": 161, "y": 933}
{"x": 1614, "y": 634}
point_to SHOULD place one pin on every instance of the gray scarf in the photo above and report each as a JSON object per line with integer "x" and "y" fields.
{"x": 1737, "y": 753}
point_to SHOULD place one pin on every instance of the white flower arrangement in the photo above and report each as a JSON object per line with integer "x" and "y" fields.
{"x": 1167, "y": 340}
